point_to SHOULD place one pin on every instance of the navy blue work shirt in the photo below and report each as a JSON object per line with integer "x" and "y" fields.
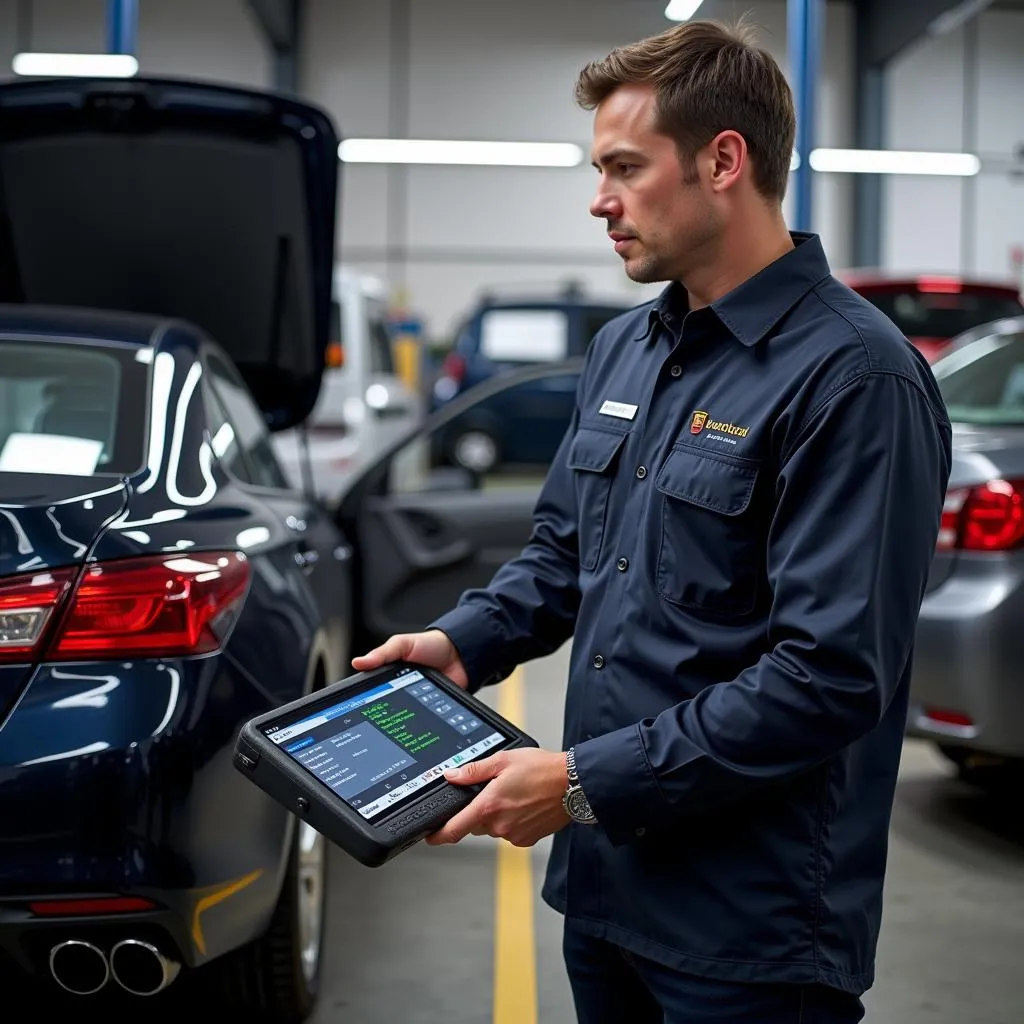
{"x": 738, "y": 528}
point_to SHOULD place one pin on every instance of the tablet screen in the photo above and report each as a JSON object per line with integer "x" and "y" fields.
{"x": 379, "y": 748}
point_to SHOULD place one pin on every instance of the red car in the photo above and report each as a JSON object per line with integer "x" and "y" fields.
{"x": 932, "y": 309}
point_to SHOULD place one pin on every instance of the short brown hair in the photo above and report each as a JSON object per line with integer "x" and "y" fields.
{"x": 708, "y": 77}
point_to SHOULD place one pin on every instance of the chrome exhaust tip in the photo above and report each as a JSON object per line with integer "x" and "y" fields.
{"x": 140, "y": 968}
{"x": 79, "y": 967}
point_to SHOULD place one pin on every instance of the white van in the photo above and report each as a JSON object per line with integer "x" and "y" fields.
{"x": 363, "y": 403}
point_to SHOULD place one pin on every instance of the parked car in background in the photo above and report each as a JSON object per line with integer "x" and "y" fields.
{"x": 161, "y": 581}
{"x": 967, "y": 695}
{"x": 363, "y": 403}
{"x": 501, "y": 335}
{"x": 932, "y": 309}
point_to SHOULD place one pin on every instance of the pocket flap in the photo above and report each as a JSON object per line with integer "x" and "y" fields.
{"x": 709, "y": 482}
{"x": 593, "y": 450}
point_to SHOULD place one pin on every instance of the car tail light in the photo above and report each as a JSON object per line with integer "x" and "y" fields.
{"x": 96, "y": 905}
{"x": 168, "y": 605}
{"x": 27, "y": 604}
{"x": 334, "y": 357}
{"x": 940, "y": 285}
{"x": 989, "y": 517}
{"x": 945, "y": 716}
{"x": 156, "y": 606}
{"x": 454, "y": 366}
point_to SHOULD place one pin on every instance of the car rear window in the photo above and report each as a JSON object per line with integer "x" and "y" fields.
{"x": 72, "y": 409}
{"x": 983, "y": 382}
{"x": 942, "y": 314}
{"x": 524, "y": 336}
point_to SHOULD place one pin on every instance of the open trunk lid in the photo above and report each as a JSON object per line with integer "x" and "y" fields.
{"x": 209, "y": 203}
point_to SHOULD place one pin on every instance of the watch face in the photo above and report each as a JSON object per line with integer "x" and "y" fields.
{"x": 577, "y": 806}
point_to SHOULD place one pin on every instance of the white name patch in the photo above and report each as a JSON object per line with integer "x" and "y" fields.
{"x": 619, "y": 409}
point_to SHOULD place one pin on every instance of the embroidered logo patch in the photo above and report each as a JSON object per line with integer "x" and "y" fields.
{"x": 700, "y": 422}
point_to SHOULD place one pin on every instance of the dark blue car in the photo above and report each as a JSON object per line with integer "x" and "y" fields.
{"x": 165, "y": 286}
{"x": 523, "y": 427}
{"x": 160, "y": 581}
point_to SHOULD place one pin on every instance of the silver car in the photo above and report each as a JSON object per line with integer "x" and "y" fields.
{"x": 968, "y": 681}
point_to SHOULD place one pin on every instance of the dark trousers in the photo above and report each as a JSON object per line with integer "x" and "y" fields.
{"x": 613, "y": 986}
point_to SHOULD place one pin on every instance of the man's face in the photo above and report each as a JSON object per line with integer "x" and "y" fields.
{"x": 659, "y": 215}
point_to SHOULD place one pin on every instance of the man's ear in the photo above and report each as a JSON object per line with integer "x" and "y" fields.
{"x": 727, "y": 160}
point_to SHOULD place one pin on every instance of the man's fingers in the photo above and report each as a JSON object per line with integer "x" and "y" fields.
{"x": 476, "y": 772}
{"x": 466, "y": 822}
{"x": 391, "y": 650}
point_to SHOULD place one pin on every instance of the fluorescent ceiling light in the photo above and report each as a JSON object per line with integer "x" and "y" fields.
{"x": 75, "y": 65}
{"x": 681, "y": 10}
{"x": 442, "y": 151}
{"x": 894, "y": 161}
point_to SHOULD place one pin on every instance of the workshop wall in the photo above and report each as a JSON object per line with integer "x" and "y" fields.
{"x": 958, "y": 92}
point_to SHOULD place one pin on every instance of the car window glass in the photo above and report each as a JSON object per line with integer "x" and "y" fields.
{"x": 382, "y": 358}
{"x": 942, "y": 314}
{"x": 248, "y": 426}
{"x": 524, "y": 335}
{"x": 983, "y": 382}
{"x": 505, "y": 440}
{"x": 224, "y": 437}
{"x": 72, "y": 409}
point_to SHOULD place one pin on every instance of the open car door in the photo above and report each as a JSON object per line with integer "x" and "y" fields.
{"x": 423, "y": 531}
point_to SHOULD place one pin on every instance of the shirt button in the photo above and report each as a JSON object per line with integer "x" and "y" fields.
{"x": 641, "y": 472}
{"x": 622, "y": 564}
{"x": 598, "y": 661}
{"x": 676, "y": 371}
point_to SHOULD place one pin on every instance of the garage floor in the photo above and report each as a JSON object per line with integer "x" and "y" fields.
{"x": 414, "y": 941}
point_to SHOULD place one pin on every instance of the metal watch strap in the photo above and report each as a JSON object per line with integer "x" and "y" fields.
{"x": 570, "y": 766}
{"x": 575, "y": 801}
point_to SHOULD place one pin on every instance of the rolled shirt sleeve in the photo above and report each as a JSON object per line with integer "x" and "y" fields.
{"x": 858, "y": 503}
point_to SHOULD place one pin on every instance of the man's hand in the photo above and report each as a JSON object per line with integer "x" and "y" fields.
{"x": 522, "y": 801}
{"x": 431, "y": 648}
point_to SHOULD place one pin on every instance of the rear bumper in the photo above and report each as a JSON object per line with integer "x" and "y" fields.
{"x": 116, "y": 779}
{"x": 968, "y": 658}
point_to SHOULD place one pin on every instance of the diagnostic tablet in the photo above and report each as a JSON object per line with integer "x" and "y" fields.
{"x": 362, "y": 761}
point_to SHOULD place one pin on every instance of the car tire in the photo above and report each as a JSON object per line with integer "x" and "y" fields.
{"x": 277, "y": 977}
{"x": 475, "y": 449}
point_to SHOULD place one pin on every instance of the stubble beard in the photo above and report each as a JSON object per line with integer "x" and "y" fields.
{"x": 646, "y": 269}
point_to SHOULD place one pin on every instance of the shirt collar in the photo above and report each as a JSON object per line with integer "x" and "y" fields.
{"x": 754, "y": 307}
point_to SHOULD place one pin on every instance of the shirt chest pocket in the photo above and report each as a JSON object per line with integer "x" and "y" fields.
{"x": 711, "y": 549}
{"x": 592, "y": 457}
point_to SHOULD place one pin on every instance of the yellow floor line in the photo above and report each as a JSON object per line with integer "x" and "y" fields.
{"x": 515, "y": 961}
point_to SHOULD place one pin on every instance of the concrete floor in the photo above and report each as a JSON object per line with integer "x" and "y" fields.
{"x": 413, "y": 941}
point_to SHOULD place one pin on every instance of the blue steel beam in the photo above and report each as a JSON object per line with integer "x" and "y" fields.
{"x": 122, "y": 26}
{"x": 804, "y": 24}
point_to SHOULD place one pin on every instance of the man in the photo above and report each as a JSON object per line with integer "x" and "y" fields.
{"x": 737, "y": 528}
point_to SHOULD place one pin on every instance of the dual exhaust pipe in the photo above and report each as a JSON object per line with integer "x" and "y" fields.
{"x": 138, "y": 967}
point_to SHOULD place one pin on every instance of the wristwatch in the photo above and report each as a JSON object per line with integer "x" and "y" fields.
{"x": 576, "y": 805}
